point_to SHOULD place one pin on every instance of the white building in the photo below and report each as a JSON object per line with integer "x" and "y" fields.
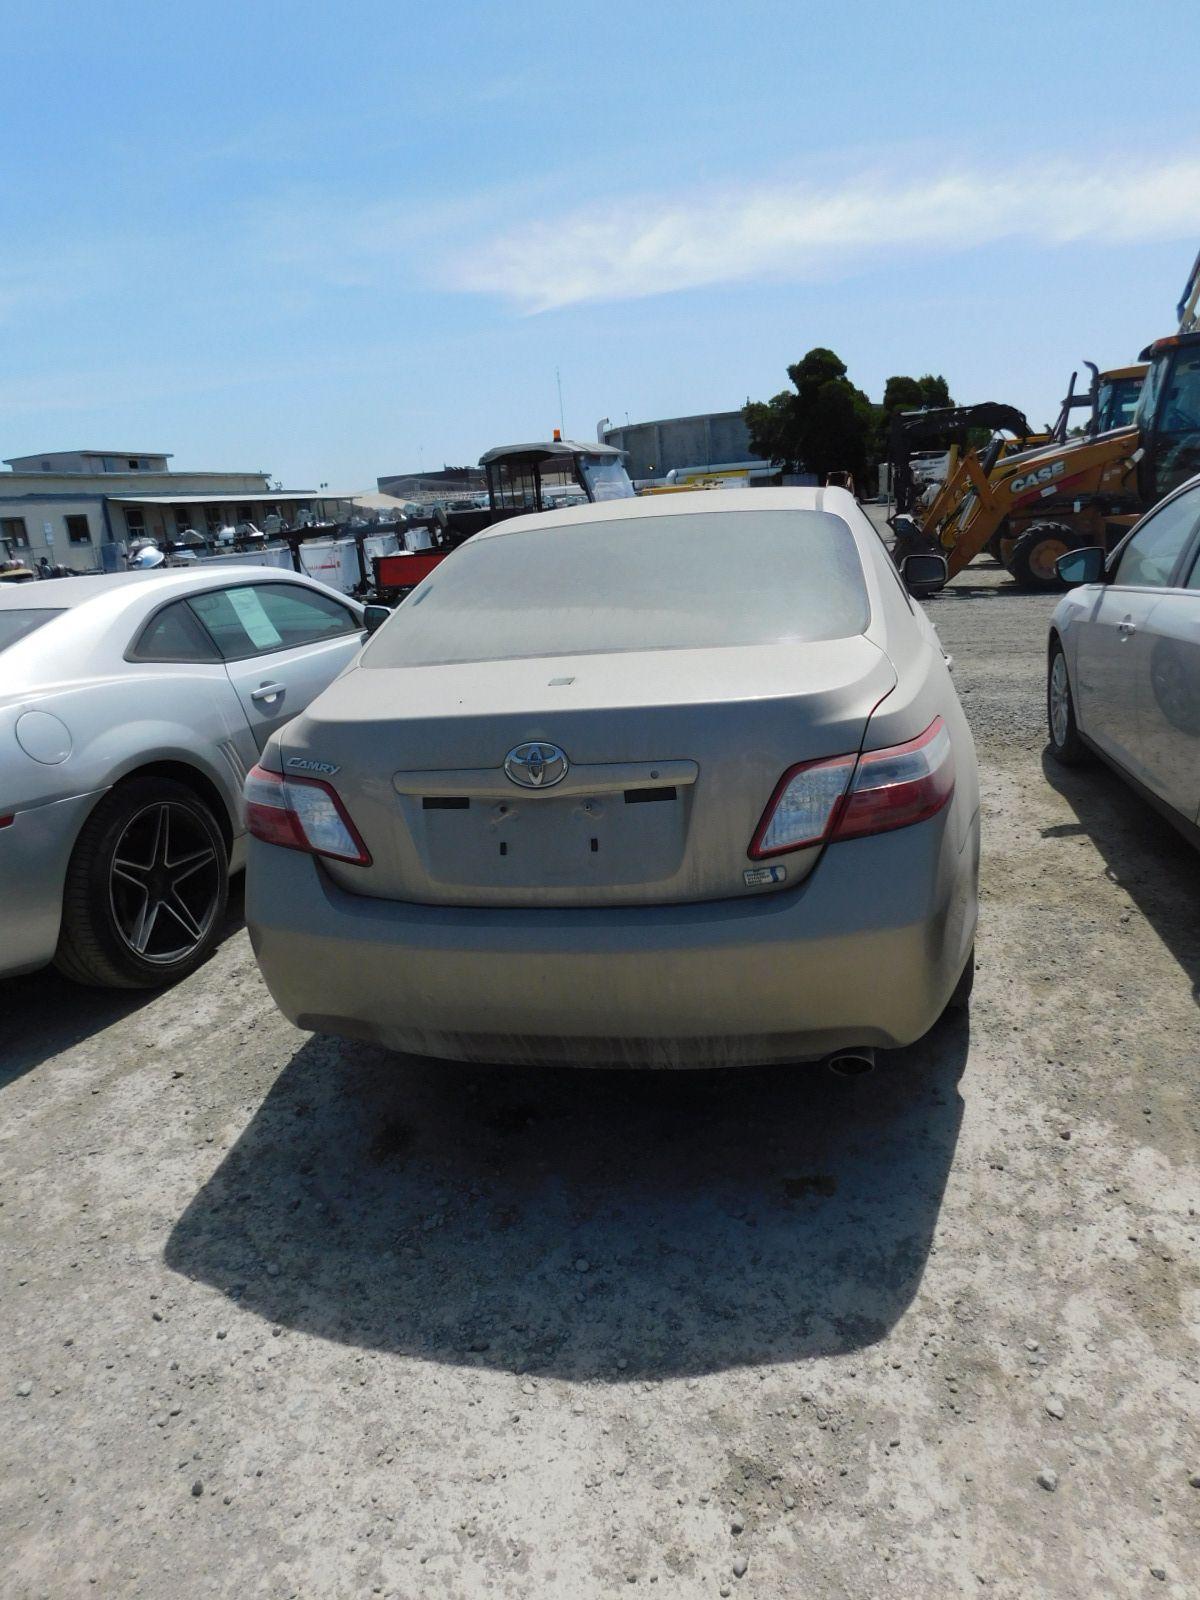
{"x": 67, "y": 505}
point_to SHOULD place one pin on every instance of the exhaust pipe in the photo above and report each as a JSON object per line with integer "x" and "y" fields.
{"x": 854, "y": 1063}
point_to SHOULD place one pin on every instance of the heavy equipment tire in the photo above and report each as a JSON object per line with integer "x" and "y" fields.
{"x": 1035, "y": 552}
{"x": 961, "y": 998}
{"x": 146, "y": 888}
{"x": 1066, "y": 746}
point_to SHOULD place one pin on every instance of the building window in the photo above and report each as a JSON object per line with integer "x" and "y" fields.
{"x": 135, "y": 521}
{"x": 134, "y": 464}
{"x": 213, "y": 520}
{"x": 78, "y": 530}
{"x": 46, "y": 467}
{"x": 14, "y": 533}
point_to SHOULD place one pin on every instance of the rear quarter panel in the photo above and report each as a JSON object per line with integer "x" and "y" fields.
{"x": 117, "y": 724}
{"x": 924, "y": 689}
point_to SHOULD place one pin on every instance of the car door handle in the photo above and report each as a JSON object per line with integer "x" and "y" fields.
{"x": 266, "y": 691}
{"x": 1126, "y": 628}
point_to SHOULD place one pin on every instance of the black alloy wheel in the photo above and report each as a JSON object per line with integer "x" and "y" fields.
{"x": 146, "y": 888}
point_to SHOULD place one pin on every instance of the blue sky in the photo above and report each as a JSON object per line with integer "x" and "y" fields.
{"x": 336, "y": 241}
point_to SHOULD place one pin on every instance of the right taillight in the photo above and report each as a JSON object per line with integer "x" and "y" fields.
{"x": 302, "y": 814}
{"x": 846, "y": 797}
{"x": 896, "y": 787}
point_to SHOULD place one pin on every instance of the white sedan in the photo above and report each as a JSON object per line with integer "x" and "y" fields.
{"x": 131, "y": 708}
{"x": 1123, "y": 673}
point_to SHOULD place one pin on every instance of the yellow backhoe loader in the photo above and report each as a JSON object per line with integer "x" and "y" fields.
{"x": 1030, "y": 505}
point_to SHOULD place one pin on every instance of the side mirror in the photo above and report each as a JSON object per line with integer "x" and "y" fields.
{"x": 1082, "y": 566}
{"x": 924, "y": 574}
{"x": 374, "y": 618}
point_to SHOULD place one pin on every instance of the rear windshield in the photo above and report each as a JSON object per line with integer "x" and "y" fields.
{"x": 642, "y": 583}
{"x": 15, "y": 624}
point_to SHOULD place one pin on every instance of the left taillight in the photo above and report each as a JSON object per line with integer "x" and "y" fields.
{"x": 302, "y": 814}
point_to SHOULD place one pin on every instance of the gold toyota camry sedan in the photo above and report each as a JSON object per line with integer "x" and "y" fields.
{"x": 672, "y": 782}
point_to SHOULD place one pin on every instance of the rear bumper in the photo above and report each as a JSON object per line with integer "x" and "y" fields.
{"x": 865, "y": 952}
{"x": 35, "y": 850}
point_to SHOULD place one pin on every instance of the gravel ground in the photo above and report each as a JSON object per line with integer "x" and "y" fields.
{"x": 286, "y": 1317}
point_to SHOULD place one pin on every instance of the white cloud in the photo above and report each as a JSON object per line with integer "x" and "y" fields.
{"x": 789, "y": 230}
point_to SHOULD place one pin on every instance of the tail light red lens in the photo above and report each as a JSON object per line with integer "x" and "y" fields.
{"x": 896, "y": 787}
{"x": 302, "y": 814}
{"x": 848, "y": 797}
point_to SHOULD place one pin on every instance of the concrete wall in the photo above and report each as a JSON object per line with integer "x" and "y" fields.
{"x": 46, "y": 527}
{"x": 655, "y": 448}
{"x": 45, "y": 499}
{"x": 214, "y": 483}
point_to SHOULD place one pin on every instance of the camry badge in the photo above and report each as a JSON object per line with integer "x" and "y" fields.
{"x": 536, "y": 766}
{"x": 307, "y": 764}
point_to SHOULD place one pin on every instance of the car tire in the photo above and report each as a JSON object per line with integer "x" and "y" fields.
{"x": 1035, "y": 552}
{"x": 146, "y": 888}
{"x": 961, "y": 998}
{"x": 1066, "y": 746}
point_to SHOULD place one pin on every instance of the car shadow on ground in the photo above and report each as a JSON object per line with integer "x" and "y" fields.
{"x": 582, "y": 1224}
{"x": 42, "y": 1014}
{"x": 1142, "y": 852}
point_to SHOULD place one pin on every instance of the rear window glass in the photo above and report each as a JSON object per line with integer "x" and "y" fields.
{"x": 175, "y": 635}
{"x": 15, "y": 625}
{"x": 643, "y": 583}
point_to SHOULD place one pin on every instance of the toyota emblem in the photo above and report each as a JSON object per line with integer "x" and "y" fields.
{"x": 536, "y": 766}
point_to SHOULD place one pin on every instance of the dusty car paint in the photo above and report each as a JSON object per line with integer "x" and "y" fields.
{"x": 587, "y": 924}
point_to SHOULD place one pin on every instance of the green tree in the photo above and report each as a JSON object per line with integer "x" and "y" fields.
{"x": 935, "y": 391}
{"x": 902, "y": 394}
{"x": 826, "y": 425}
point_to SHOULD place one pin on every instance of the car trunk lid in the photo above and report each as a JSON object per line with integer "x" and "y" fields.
{"x": 671, "y": 758}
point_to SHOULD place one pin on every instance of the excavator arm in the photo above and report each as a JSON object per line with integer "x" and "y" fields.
{"x": 943, "y": 424}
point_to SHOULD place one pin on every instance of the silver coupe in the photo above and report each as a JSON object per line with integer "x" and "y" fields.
{"x": 131, "y": 708}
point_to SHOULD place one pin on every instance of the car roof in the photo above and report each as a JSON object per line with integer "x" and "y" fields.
{"x": 103, "y": 612}
{"x": 120, "y": 588}
{"x": 701, "y": 502}
{"x": 58, "y": 594}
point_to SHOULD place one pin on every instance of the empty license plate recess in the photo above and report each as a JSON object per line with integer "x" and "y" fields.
{"x": 610, "y": 826}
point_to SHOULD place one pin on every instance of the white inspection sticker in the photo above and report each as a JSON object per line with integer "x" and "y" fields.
{"x": 758, "y": 875}
{"x": 264, "y": 635}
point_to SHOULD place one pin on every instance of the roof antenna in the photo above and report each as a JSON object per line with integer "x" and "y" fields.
{"x": 558, "y": 380}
